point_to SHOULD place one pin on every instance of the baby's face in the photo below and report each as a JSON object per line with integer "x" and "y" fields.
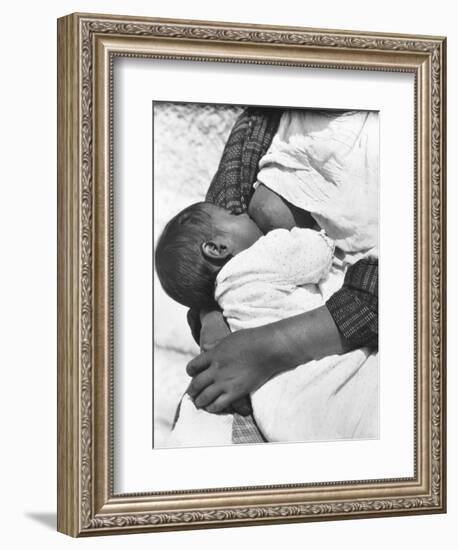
{"x": 239, "y": 229}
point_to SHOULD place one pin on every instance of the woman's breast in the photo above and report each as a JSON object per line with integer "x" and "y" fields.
{"x": 270, "y": 211}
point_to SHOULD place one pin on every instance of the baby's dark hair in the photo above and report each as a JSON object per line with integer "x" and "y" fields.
{"x": 185, "y": 274}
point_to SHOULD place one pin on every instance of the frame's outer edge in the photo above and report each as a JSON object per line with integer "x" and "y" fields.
{"x": 76, "y": 514}
{"x": 68, "y": 379}
{"x": 442, "y": 283}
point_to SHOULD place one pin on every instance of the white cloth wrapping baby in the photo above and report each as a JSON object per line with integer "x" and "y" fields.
{"x": 286, "y": 273}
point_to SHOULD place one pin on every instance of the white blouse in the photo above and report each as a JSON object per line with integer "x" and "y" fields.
{"x": 326, "y": 162}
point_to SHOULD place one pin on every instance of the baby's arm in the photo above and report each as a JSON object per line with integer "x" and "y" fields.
{"x": 214, "y": 329}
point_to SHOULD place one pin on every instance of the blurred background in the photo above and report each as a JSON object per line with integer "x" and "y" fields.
{"x": 188, "y": 142}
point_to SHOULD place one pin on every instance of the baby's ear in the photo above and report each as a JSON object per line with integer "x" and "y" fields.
{"x": 215, "y": 251}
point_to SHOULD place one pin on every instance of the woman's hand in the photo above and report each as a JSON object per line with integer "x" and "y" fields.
{"x": 236, "y": 366}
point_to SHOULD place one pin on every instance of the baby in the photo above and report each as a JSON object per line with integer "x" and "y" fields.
{"x": 205, "y": 245}
{"x": 195, "y": 245}
{"x": 205, "y": 254}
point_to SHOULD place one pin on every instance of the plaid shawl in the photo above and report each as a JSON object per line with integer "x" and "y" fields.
{"x": 354, "y": 307}
{"x": 251, "y": 136}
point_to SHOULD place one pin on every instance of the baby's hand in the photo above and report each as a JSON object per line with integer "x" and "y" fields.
{"x": 214, "y": 329}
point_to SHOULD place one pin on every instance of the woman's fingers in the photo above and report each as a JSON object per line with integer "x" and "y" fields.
{"x": 199, "y": 363}
{"x": 200, "y": 382}
{"x": 219, "y": 404}
{"x": 207, "y": 396}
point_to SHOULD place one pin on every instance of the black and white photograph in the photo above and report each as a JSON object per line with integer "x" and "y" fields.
{"x": 227, "y": 235}
{"x": 265, "y": 290}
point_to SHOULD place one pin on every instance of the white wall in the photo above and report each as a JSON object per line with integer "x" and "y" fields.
{"x": 28, "y": 274}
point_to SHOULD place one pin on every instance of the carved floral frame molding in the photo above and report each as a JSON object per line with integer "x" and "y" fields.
{"x": 87, "y": 45}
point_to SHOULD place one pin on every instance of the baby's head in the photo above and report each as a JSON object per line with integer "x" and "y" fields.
{"x": 195, "y": 245}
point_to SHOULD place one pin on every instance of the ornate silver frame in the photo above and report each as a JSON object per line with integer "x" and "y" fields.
{"x": 87, "y": 44}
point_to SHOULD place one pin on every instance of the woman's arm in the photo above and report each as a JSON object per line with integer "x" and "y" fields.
{"x": 245, "y": 360}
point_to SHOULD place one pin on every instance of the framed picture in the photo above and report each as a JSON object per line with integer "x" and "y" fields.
{"x": 227, "y": 194}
